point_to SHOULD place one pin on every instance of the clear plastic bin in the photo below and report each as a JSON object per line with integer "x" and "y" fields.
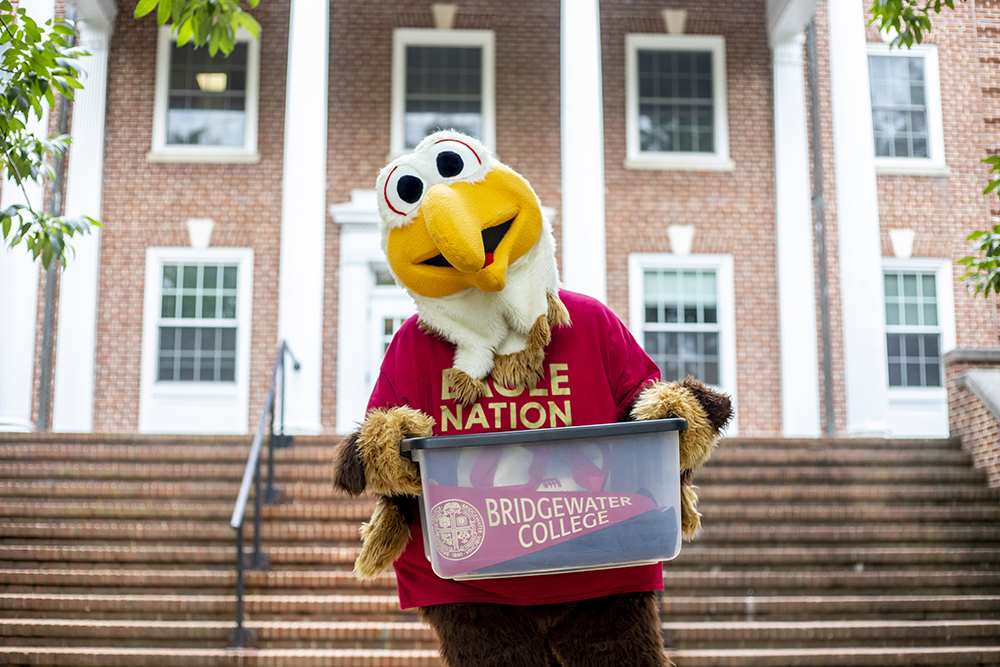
{"x": 550, "y": 500}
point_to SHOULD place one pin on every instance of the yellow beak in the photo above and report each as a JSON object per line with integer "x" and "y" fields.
{"x": 466, "y": 235}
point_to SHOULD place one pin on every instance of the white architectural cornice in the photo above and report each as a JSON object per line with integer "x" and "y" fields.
{"x": 787, "y": 17}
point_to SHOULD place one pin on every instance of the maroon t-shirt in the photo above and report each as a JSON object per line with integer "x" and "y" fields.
{"x": 593, "y": 371}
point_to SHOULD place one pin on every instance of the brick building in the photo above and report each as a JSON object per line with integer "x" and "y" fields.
{"x": 670, "y": 145}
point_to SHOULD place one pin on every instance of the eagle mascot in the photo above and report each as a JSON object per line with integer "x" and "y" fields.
{"x": 464, "y": 235}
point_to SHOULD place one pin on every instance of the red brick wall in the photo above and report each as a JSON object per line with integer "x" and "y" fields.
{"x": 527, "y": 111}
{"x": 974, "y": 424}
{"x": 147, "y": 204}
{"x": 732, "y": 212}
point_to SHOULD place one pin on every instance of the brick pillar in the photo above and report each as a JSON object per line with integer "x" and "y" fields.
{"x": 973, "y": 411}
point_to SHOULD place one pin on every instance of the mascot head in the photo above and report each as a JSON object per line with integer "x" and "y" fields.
{"x": 465, "y": 236}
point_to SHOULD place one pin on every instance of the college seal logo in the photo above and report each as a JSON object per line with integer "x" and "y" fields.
{"x": 458, "y": 529}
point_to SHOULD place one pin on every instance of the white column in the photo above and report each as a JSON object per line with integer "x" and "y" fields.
{"x": 862, "y": 300}
{"x": 19, "y": 287}
{"x": 584, "y": 265}
{"x": 303, "y": 214}
{"x": 73, "y": 403}
{"x": 793, "y": 213}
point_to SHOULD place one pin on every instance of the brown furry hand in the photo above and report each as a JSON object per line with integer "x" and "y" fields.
{"x": 383, "y": 540}
{"x": 386, "y": 471}
{"x": 705, "y": 410}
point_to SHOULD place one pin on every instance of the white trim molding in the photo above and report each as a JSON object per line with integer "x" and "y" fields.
{"x": 636, "y": 158}
{"x": 934, "y": 164}
{"x": 726, "y": 303}
{"x": 922, "y": 412}
{"x": 404, "y": 37}
{"x": 76, "y": 342}
{"x": 163, "y": 152}
{"x": 584, "y": 246}
{"x": 859, "y": 241}
{"x": 793, "y": 218}
{"x": 191, "y": 406}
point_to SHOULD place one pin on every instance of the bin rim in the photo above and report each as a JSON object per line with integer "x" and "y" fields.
{"x": 543, "y": 435}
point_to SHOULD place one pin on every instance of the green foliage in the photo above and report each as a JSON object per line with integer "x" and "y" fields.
{"x": 983, "y": 268}
{"x": 37, "y": 62}
{"x": 212, "y": 22}
{"x": 909, "y": 18}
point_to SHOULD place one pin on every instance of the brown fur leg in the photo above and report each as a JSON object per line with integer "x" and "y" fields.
{"x": 487, "y": 635}
{"x": 557, "y": 313}
{"x": 611, "y": 631}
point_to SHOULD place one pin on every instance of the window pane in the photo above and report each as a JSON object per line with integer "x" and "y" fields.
{"x": 208, "y": 340}
{"x": 207, "y": 97}
{"x": 229, "y": 277}
{"x": 891, "y": 284}
{"x": 930, "y": 314}
{"x": 894, "y": 345}
{"x": 170, "y": 276}
{"x": 188, "y": 336}
{"x": 711, "y": 315}
{"x": 186, "y": 369}
{"x": 169, "y": 306}
{"x": 652, "y": 313}
{"x": 190, "y": 277}
{"x": 898, "y": 106}
{"x": 443, "y": 90}
{"x": 165, "y": 372}
{"x": 895, "y": 375}
{"x": 932, "y": 373}
{"x": 227, "y": 369}
{"x": 229, "y": 307}
{"x": 711, "y": 375}
{"x": 931, "y": 345}
{"x": 228, "y": 340}
{"x": 210, "y": 277}
{"x": 670, "y": 313}
{"x": 911, "y": 346}
{"x": 208, "y": 304}
{"x": 929, "y": 285}
{"x": 912, "y": 314}
{"x": 675, "y": 101}
{"x": 891, "y": 314}
{"x": 207, "y": 370}
{"x": 188, "y": 306}
{"x": 913, "y": 375}
{"x": 690, "y": 314}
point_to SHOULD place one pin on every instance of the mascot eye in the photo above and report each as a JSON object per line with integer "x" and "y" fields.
{"x": 403, "y": 190}
{"x": 456, "y": 159}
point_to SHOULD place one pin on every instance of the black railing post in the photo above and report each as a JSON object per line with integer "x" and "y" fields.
{"x": 271, "y": 497}
{"x": 237, "y": 638}
{"x": 256, "y": 518}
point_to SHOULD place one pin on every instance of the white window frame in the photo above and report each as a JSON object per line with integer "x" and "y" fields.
{"x": 163, "y": 152}
{"x": 194, "y": 406}
{"x": 723, "y": 267}
{"x": 934, "y": 164}
{"x": 677, "y": 161}
{"x": 923, "y": 411}
{"x": 404, "y": 37}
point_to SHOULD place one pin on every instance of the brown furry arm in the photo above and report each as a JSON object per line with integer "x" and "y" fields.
{"x": 707, "y": 412}
{"x": 386, "y": 471}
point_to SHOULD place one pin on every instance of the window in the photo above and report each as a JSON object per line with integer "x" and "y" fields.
{"x": 681, "y": 310}
{"x": 196, "y": 340}
{"x": 206, "y": 106}
{"x": 676, "y": 103}
{"x": 919, "y": 329}
{"x": 442, "y": 79}
{"x": 906, "y": 109}
{"x": 913, "y": 334}
{"x": 197, "y": 329}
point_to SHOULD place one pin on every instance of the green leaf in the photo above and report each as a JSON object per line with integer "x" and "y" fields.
{"x": 144, "y": 7}
{"x": 184, "y": 33}
{"x": 6, "y": 226}
{"x": 164, "y": 11}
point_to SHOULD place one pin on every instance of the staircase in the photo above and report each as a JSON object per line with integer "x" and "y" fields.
{"x": 117, "y": 551}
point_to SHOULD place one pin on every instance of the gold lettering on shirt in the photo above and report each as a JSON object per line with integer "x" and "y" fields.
{"x": 497, "y": 409}
{"x": 477, "y": 416}
{"x": 507, "y": 391}
{"x": 565, "y": 414}
{"x": 447, "y": 417}
{"x": 525, "y": 418}
{"x": 558, "y": 379}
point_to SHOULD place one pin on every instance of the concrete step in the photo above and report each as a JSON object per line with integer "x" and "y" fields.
{"x": 337, "y": 510}
{"x": 845, "y": 474}
{"x": 187, "y": 453}
{"x": 775, "y": 493}
{"x": 986, "y": 535}
{"x": 52, "y": 555}
{"x": 848, "y": 657}
{"x": 177, "y": 531}
{"x": 821, "y": 607}
{"x": 759, "y": 634}
{"x": 751, "y": 556}
{"x": 767, "y": 582}
{"x": 201, "y": 607}
{"x": 729, "y": 455}
{"x": 142, "y": 470}
{"x": 314, "y": 581}
{"x": 105, "y": 489}
{"x": 851, "y": 514}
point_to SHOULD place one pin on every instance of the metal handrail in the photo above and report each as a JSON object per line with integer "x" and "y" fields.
{"x": 241, "y": 636}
